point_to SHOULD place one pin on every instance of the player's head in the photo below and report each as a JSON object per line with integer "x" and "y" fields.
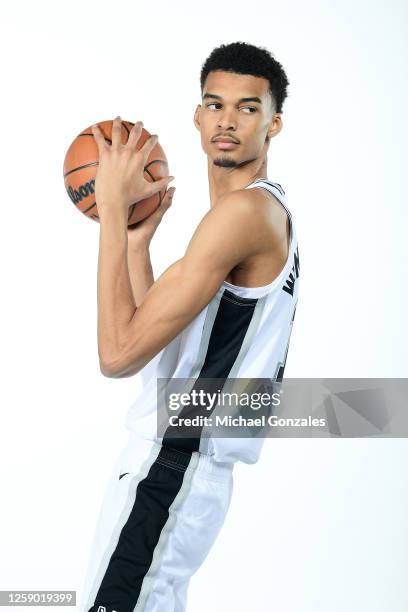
{"x": 243, "y": 89}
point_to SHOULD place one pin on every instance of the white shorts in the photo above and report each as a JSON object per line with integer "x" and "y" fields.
{"x": 161, "y": 513}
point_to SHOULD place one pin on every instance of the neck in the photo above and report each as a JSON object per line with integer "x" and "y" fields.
{"x": 223, "y": 180}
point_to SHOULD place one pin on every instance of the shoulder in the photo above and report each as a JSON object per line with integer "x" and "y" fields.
{"x": 255, "y": 209}
{"x": 240, "y": 198}
{"x": 242, "y": 206}
{"x": 229, "y": 231}
{"x": 251, "y": 200}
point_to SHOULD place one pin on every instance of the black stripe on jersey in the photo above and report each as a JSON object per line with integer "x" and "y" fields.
{"x": 277, "y": 185}
{"x": 231, "y": 323}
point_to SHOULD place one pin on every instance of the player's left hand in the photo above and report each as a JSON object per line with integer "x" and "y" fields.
{"x": 119, "y": 180}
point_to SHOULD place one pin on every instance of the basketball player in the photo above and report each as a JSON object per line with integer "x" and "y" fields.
{"x": 225, "y": 309}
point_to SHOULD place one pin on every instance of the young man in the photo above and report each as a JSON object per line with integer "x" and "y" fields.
{"x": 225, "y": 309}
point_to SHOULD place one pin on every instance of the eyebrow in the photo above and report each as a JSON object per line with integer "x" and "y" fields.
{"x": 250, "y": 99}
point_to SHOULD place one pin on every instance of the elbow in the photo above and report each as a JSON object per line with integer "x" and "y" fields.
{"x": 126, "y": 361}
{"x": 107, "y": 366}
{"x": 120, "y": 368}
{"x": 107, "y": 370}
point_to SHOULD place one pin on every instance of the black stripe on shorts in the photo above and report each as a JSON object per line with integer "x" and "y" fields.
{"x": 130, "y": 561}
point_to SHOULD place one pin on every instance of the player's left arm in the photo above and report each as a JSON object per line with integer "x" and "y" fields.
{"x": 129, "y": 337}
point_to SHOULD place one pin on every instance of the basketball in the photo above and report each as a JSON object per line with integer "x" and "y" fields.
{"x": 80, "y": 166}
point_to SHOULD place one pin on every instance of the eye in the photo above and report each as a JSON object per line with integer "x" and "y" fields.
{"x": 250, "y": 109}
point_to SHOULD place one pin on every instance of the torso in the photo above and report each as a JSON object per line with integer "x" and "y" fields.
{"x": 262, "y": 268}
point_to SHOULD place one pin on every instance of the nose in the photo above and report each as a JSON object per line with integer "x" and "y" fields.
{"x": 226, "y": 120}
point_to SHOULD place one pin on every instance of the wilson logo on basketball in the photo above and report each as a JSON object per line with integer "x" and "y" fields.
{"x": 77, "y": 195}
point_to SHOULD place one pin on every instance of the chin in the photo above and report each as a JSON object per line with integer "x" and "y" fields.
{"x": 225, "y": 162}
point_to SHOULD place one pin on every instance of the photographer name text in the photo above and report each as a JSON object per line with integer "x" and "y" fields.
{"x": 241, "y": 421}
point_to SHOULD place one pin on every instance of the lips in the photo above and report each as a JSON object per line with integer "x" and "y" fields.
{"x": 225, "y": 139}
{"x": 225, "y": 143}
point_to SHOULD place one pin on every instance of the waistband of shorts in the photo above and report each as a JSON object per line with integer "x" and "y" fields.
{"x": 207, "y": 467}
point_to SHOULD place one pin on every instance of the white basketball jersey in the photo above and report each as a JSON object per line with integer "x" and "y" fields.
{"x": 243, "y": 332}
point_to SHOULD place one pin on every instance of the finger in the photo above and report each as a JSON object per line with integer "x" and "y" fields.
{"x": 165, "y": 202}
{"x": 116, "y": 132}
{"x": 134, "y": 135}
{"x": 99, "y": 138}
{"x": 158, "y": 185}
{"x": 167, "y": 198}
{"x": 149, "y": 146}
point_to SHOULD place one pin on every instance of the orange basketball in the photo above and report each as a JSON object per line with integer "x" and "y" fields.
{"x": 80, "y": 166}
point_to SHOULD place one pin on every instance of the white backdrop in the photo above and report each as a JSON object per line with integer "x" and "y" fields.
{"x": 316, "y": 525}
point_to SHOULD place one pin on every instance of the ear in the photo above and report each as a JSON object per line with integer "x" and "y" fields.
{"x": 196, "y": 118}
{"x": 275, "y": 125}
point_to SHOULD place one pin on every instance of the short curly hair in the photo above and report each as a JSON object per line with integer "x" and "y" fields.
{"x": 244, "y": 58}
